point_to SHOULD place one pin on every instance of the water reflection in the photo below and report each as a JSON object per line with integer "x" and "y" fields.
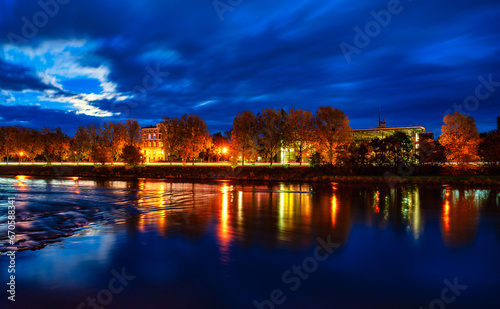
{"x": 461, "y": 215}
{"x": 272, "y": 215}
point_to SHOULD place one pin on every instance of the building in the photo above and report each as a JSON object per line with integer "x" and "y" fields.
{"x": 151, "y": 144}
{"x": 370, "y": 134}
{"x": 415, "y": 133}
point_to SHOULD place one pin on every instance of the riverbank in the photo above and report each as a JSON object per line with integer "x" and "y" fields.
{"x": 479, "y": 175}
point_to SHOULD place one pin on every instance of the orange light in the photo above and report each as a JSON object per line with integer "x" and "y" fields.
{"x": 21, "y": 153}
{"x": 224, "y": 150}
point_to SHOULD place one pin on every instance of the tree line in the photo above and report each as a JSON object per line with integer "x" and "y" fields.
{"x": 322, "y": 137}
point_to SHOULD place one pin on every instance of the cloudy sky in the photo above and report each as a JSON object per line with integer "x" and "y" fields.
{"x": 65, "y": 63}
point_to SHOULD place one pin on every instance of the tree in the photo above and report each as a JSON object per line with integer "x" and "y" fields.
{"x": 431, "y": 151}
{"x": 331, "y": 131}
{"x": 114, "y": 136}
{"x": 299, "y": 131}
{"x": 32, "y": 143}
{"x": 269, "y": 133}
{"x": 131, "y": 155}
{"x": 242, "y": 134}
{"x": 195, "y": 136}
{"x": 100, "y": 154}
{"x": 459, "y": 137}
{"x": 49, "y": 144}
{"x": 12, "y": 142}
{"x": 220, "y": 145}
{"x": 399, "y": 147}
{"x": 489, "y": 146}
{"x": 171, "y": 137}
{"x": 134, "y": 135}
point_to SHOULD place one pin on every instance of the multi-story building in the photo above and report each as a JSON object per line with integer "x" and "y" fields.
{"x": 382, "y": 132}
{"x": 151, "y": 144}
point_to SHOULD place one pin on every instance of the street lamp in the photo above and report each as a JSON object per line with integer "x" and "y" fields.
{"x": 20, "y": 157}
{"x": 76, "y": 159}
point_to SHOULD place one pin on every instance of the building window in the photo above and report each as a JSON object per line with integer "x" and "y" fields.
{"x": 159, "y": 136}
{"x": 154, "y": 152}
{"x": 149, "y": 136}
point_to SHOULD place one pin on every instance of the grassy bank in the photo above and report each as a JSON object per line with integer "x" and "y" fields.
{"x": 376, "y": 175}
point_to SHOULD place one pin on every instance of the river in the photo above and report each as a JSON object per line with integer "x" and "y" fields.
{"x": 148, "y": 243}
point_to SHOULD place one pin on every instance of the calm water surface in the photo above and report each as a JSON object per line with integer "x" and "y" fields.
{"x": 234, "y": 245}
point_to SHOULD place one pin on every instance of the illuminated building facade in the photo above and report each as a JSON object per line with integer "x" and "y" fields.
{"x": 370, "y": 134}
{"x": 151, "y": 144}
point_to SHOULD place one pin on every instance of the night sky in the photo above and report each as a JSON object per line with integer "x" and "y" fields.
{"x": 92, "y": 61}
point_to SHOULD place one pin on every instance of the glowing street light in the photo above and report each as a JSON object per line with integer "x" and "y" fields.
{"x": 224, "y": 150}
{"x": 21, "y": 157}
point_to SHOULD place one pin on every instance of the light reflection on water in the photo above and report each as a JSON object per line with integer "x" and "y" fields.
{"x": 272, "y": 226}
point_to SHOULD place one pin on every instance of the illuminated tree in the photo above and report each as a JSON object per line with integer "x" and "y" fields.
{"x": 55, "y": 144}
{"x": 220, "y": 146}
{"x": 195, "y": 136}
{"x": 100, "y": 154}
{"x": 171, "y": 137}
{"x": 242, "y": 135}
{"x": 459, "y": 137}
{"x": 12, "y": 144}
{"x": 269, "y": 132}
{"x": 114, "y": 136}
{"x": 298, "y": 131}
{"x": 32, "y": 143}
{"x": 331, "y": 131}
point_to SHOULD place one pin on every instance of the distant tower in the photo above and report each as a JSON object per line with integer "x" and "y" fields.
{"x": 381, "y": 124}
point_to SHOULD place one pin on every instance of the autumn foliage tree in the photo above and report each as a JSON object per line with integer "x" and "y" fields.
{"x": 243, "y": 134}
{"x": 270, "y": 132}
{"x": 299, "y": 130}
{"x": 460, "y": 138}
{"x": 195, "y": 136}
{"x": 171, "y": 137}
{"x": 331, "y": 131}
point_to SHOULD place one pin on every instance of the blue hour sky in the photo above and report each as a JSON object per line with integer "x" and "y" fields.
{"x": 65, "y": 63}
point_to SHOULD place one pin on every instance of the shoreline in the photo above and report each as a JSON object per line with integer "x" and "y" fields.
{"x": 386, "y": 175}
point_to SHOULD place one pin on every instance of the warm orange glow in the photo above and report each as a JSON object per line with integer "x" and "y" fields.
{"x": 377, "y": 199}
{"x": 21, "y": 177}
{"x": 21, "y": 153}
{"x": 224, "y": 232}
{"x": 334, "y": 210}
{"x": 446, "y": 212}
{"x": 75, "y": 178}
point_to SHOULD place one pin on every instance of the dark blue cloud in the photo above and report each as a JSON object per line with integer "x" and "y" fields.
{"x": 424, "y": 62}
{"x": 18, "y": 78}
